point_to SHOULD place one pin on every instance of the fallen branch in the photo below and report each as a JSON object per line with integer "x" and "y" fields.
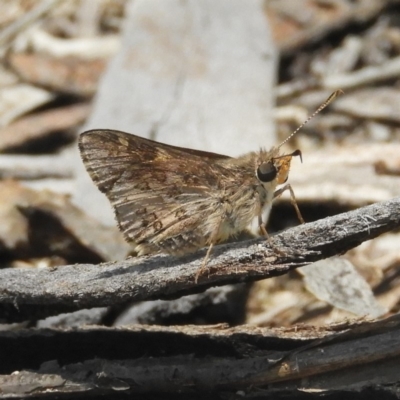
{"x": 39, "y": 293}
{"x": 20, "y": 24}
{"x": 193, "y": 359}
{"x": 364, "y": 76}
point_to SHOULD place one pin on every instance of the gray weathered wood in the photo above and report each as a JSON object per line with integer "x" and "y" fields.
{"x": 193, "y": 73}
{"x": 346, "y": 175}
{"x": 193, "y": 360}
{"x": 38, "y": 293}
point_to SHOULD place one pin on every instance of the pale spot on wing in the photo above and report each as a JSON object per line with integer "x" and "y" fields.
{"x": 123, "y": 141}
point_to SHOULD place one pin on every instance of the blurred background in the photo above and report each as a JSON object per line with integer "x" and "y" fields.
{"x": 226, "y": 76}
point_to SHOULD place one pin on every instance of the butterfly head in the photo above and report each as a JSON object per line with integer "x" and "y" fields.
{"x": 276, "y": 167}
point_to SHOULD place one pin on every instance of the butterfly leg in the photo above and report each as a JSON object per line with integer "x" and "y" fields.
{"x": 296, "y": 207}
{"x": 292, "y": 199}
{"x": 213, "y": 240}
{"x": 204, "y": 264}
{"x": 263, "y": 230}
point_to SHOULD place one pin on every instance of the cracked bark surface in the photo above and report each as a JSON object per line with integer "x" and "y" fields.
{"x": 28, "y": 294}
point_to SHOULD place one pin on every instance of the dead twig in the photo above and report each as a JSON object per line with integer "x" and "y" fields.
{"x": 365, "y": 76}
{"x": 38, "y": 293}
{"x": 26, "y": 20}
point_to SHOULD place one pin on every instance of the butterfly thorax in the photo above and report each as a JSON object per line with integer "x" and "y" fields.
{"x": 244, "y": 196}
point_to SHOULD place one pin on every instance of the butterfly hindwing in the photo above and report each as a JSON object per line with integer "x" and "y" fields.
{"x": 150, "y": 185}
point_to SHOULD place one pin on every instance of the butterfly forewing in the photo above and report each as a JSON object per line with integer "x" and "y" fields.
{"x": 157, "y": 198}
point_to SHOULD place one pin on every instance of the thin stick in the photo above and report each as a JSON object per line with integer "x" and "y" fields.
{"x": 26, "y": 20}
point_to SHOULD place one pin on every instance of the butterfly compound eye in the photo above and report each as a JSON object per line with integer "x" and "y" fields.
{"x": 266, "y": 172}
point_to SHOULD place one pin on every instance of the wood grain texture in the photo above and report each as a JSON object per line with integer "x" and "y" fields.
{"x": 38, "y": 293}
{"x": 191, "y": 360}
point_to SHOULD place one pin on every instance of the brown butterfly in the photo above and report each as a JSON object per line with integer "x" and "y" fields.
{"x": 177, "y": 200}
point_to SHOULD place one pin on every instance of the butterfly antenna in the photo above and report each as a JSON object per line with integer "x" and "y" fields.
{"x": 319, "y": 109}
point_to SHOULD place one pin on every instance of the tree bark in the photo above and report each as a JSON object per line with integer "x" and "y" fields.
{"x": 30, "y": 293}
